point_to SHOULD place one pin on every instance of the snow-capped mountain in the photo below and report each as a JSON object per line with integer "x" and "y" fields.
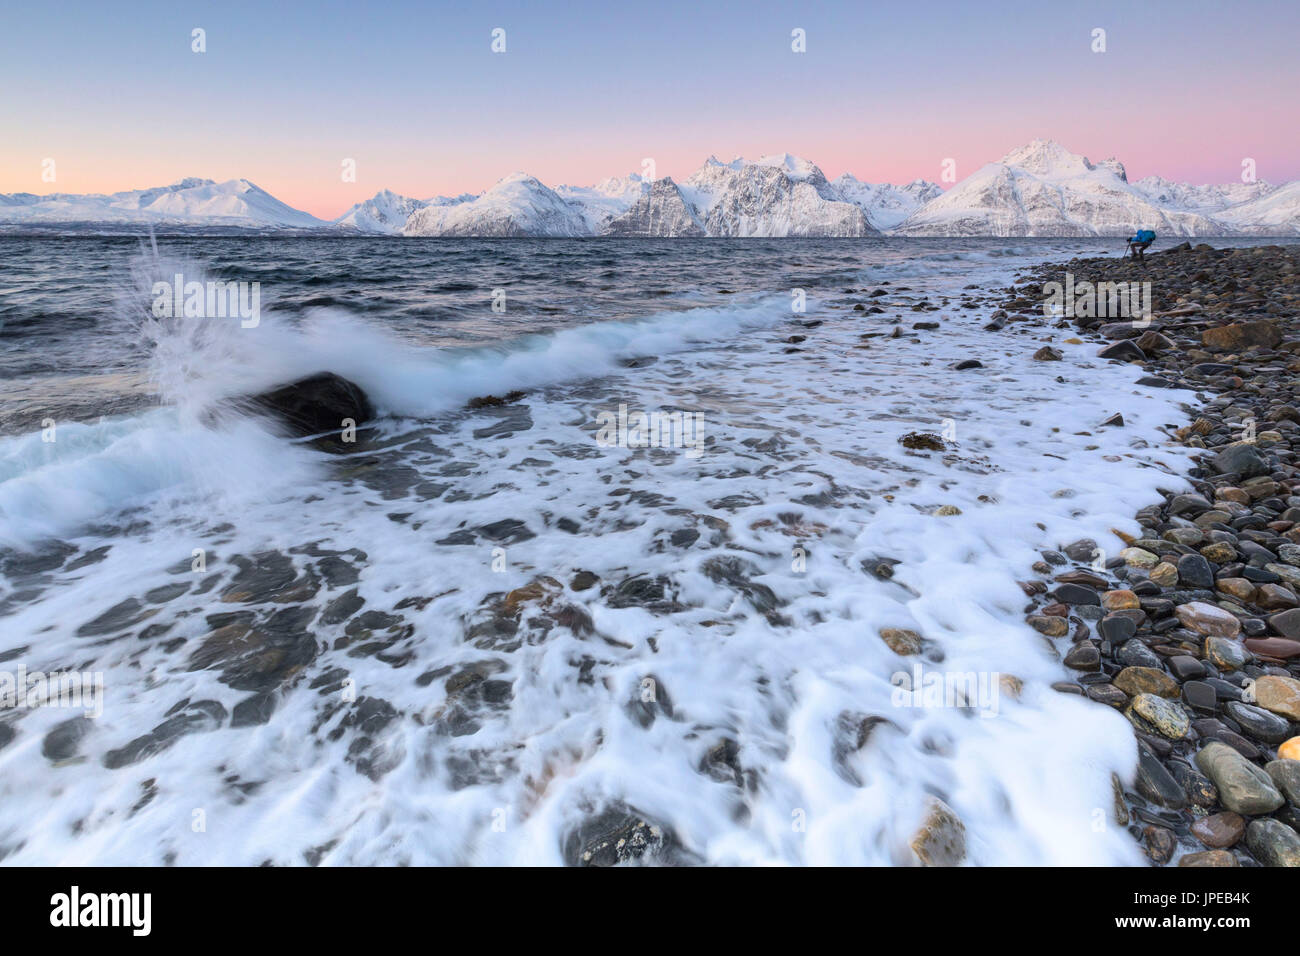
{"x": 779, "y": 195}
{"x": 601, "y": 204}
{"x": 386, "y": 212}
{"x": 886, "y": 205}
{"x": 1275, "y": 213}
{"x": 518, "y": 205}
{"x": 1043, "y": 189}
{"x": 1040, "y": 189}
{"x": 1203, "y": 199}
{"x": 236, "y": 203}
{"x": 661, "y": 211}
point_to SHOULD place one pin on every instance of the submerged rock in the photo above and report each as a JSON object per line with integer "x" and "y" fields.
{"x": 314, "y": 405}
{"x": 940, "y": 840}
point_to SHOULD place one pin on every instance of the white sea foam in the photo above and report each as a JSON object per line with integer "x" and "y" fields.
{"x": 810, "y": 433}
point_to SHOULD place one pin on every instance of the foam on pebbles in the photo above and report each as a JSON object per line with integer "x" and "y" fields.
{"x": 1207, "y": 667}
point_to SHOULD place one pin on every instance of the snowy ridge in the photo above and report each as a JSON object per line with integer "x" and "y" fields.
{"x": 189, "y": 202}
{"x": 1274, "y": 213}
{"x": 518, "y": 205}
{"x": 1042, "y": 189}
{"x": 886, "y": 205}
{"x": 1038, "y": 189}
{"x": 386, "y": 212}
{"x": 1203, "y": 199}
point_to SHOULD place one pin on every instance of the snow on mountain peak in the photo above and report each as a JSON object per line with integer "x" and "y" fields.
{"x": 1038, "y": 189}
{"x": 1047, "y": 158}
{"x": 796, "y": 168}
{"x": 190, "y": 182}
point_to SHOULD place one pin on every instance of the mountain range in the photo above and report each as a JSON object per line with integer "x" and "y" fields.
{"x": 1040, "y": 189}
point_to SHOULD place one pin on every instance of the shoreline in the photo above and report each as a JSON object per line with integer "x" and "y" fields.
{"x": 1192, "y": 630}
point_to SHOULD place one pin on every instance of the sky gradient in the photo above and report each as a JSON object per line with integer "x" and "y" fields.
{"x": 413, "y": 93}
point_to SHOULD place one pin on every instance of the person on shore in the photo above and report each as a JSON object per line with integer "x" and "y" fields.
{"x": 1138, "y": 243}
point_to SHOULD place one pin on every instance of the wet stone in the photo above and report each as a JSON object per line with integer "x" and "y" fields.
{"x": 63, "y": 740}
{"x": 1208, "y": 858}
{"x": 1286, "y": 777}
{"x": 1156, "y": 783}
{"x": 1200, "y": 696}
{"x": 1134, "y": 653}
{"x": 1197, "y": 788}
{"x": 1227, "y": 655}
{"x": 618, "y": 835}
{"x": 199, "y": 717}
{"x": 1278, "y": 695}
{"x": 1146, "y": 680}
{"x": 1083, "y": 656}
{"x": 1257, "y": 723}
{"x": 1076, "y": 594}
{"x": 119, "y": 617}
{"x": 1195, "y": 572}
{"x": 1243, "y": 787}
{"x": 1273, "y": 843}
{"x": 1220, "y": 830}
{"x": 1186, "y": 668}
{"x": 1166, "y": 717}
{"x": 1160, "y": 843}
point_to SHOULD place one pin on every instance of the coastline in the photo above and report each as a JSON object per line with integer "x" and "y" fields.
{"x": 1192, "y": 629}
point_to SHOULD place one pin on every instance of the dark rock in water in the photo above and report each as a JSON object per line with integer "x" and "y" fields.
{"x": 649, "y": 701}
{"x": 1082, "y": 550}
{"x": 1084, "y": 656}
{"x": 185, "y": 718}
{"x": 967, "y": 364}
{"x": 618, "y": 835}
{"x": 883, "y": 568}
{"x": 1196, "y": 786}
{"x": 922, "y": 441}
{"x": 735, "y": 572}
{"x": 1125, "y": 351}
{"x": 61, "y": 742}
{"x": 506, "y": 531}
{"x": 495, "y": 401}
{"x": 584, "y": 580}
{"x": 1076, "y": 594}
{"x": 1160, "y": 843}
{"x": 252, "y": 711}
{"x": 314, "y": 405}
{"x": 1156, "y": 783}
{"x": 1155, "y": 381}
